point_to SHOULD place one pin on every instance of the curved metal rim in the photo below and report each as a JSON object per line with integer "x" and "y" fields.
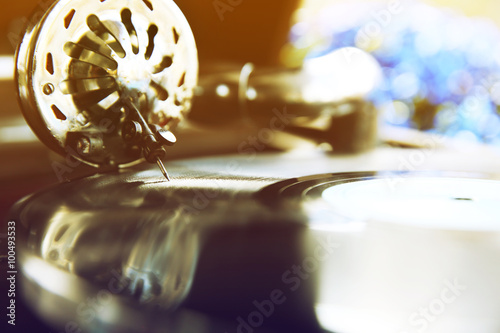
{"x": 22, "y": 79}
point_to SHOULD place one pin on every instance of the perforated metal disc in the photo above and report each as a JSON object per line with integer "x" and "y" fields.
{"x": 75, "y": 66}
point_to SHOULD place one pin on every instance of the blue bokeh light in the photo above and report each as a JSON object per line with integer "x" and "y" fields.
{"x": 444, "y": 66}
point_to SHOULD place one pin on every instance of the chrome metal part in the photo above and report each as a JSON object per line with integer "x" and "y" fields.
{"x": 83, "y": 60}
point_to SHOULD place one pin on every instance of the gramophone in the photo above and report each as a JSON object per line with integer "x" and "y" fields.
{"x": 259, "y": 241}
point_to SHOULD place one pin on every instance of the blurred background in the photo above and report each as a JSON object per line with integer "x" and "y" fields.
{"x": 440, "y": 58}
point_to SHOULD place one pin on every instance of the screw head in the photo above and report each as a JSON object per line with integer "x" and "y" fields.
{"x": 48, "y": 89}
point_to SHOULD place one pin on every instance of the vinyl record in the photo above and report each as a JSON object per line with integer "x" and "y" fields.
{"x": 325, "y": 250}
